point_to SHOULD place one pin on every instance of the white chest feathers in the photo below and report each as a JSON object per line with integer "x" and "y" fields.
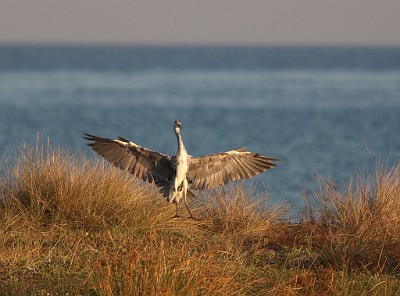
{"x": 181, "y": 167}
{"x": 180, "y": 185}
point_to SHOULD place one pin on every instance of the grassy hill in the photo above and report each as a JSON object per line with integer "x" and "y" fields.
{"x": 73, "y": 226}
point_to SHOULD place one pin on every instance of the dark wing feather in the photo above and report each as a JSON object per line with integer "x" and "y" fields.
{"x": 141, "y": 162}
{"x": 218, "y": 169}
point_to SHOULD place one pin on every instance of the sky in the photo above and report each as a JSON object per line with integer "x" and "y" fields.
{"x": 252, "y": 22}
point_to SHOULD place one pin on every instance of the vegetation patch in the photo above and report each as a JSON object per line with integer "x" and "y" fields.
{"x": 74, "y": 226}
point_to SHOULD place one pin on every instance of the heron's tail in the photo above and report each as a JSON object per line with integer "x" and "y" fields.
{"x": 167, "y": 191}
{"x": 177, "y": 196}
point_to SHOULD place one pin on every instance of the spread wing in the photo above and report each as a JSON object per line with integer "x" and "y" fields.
{"x": 218, "y": 169}
{"x": 141, "y": 162}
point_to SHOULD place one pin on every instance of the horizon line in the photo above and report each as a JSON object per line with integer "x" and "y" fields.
{"x": 200, "y": 44}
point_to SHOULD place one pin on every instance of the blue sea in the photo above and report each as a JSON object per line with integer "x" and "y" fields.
{"x": 329, "y": 112}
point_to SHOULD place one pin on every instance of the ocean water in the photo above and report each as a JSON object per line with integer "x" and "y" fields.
{"x": 327, "y": 112}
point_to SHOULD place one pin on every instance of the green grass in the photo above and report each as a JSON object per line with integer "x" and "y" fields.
{"x": 73, "y": 226}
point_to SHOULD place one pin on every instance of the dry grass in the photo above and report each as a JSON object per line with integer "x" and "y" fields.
{"x": 71, "y": 226}
{"x": 361, "y": 225}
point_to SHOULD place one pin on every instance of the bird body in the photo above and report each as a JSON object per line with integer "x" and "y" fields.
{"x": 180, "y": 184}
{"x": 176, "y": 176}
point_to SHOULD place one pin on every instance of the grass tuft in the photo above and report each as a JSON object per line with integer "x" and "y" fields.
{"x": 361, "y": 225}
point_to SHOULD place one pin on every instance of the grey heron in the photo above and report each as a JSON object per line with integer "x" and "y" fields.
{"x": 176, "y": 176}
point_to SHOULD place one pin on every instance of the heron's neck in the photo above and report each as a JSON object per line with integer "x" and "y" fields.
{"x": 181, "y": 146}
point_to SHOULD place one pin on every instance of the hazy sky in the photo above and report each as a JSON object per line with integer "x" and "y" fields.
{"x": 375, "y": 22}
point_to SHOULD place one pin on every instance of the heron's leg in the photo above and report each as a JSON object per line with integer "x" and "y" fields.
{"x": 176, "y": 211}
{"x": 190, "y": 213}
{"x": 185, "y": 201}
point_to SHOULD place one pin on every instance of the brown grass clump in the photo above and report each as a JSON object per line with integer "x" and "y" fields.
{"x": 361, "y": 225}
{"x": 73, "y": 226}
{"x": 52, "y": 187}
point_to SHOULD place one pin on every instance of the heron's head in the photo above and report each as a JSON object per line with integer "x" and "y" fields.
{"x": 177, "y": 126}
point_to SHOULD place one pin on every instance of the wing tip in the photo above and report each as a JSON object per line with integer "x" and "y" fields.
{"x": 89, "y": 137}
